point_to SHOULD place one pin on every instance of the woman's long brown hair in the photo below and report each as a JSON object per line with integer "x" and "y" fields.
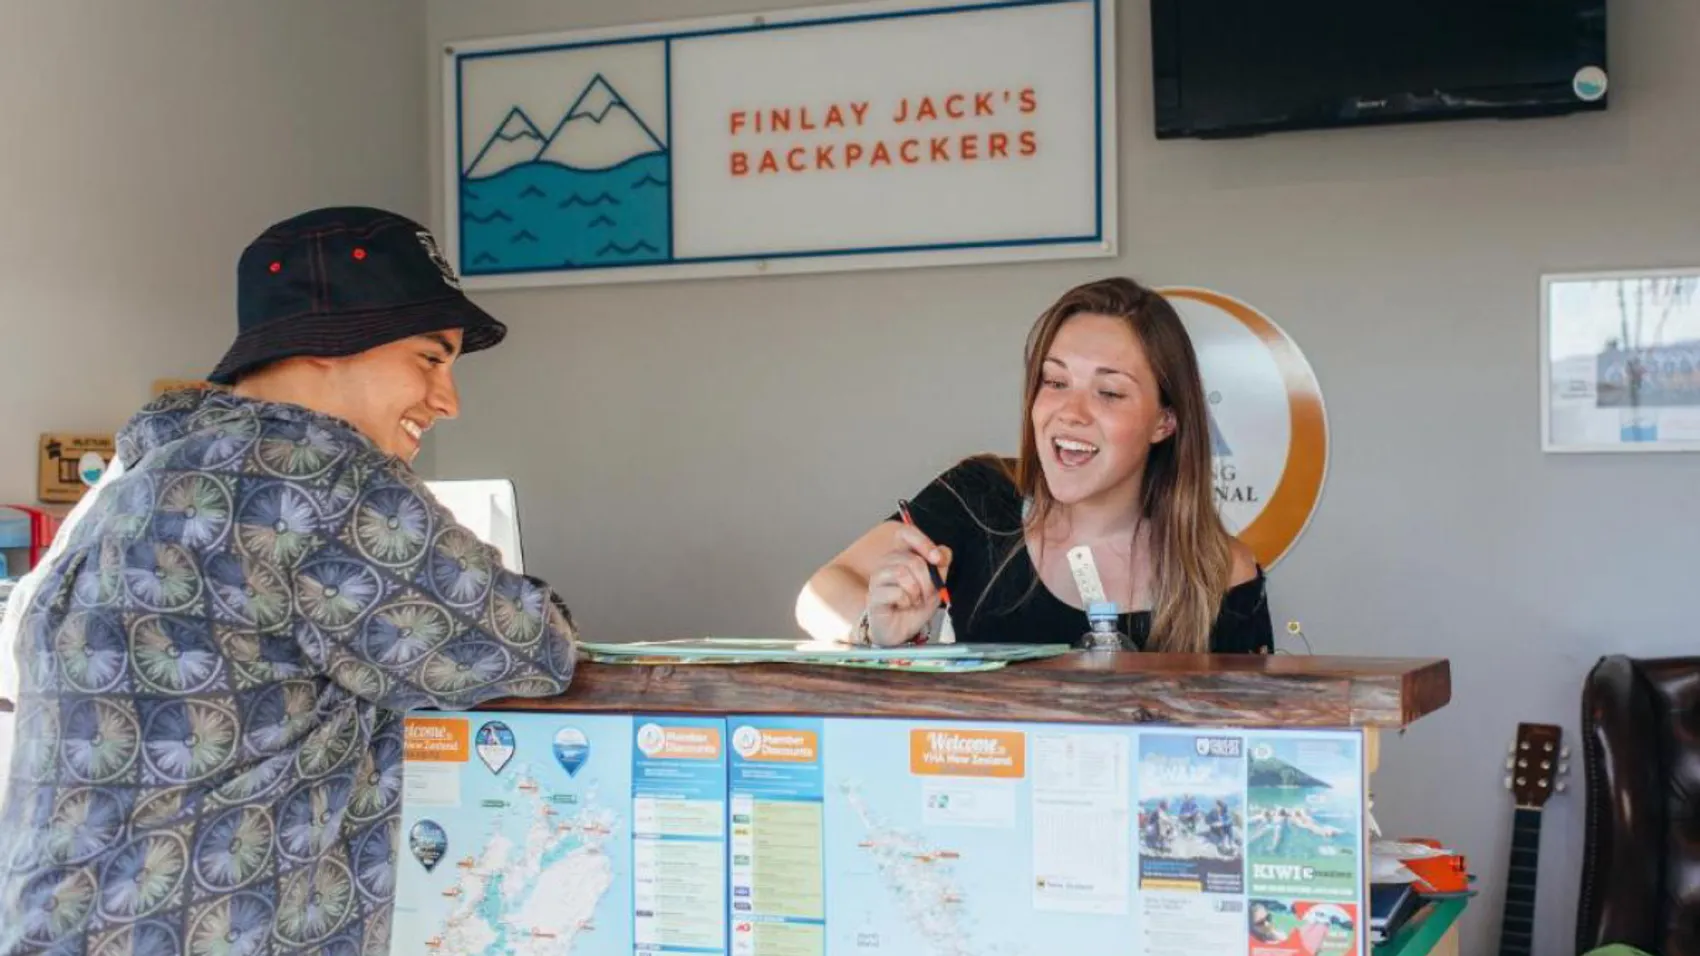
{"x": 1190, "y": 548}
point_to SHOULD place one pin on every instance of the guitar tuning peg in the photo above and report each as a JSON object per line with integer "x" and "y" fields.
{"x": 1563, "y": 768}
{"x": 1508, "y": 781}
{"x": 1510, "y": 762}
{"x": 1562, "y": 786}
{"x": 1564, "y": 753}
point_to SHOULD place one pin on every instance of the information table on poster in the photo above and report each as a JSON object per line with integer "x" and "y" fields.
{"x": 765, "y": 835}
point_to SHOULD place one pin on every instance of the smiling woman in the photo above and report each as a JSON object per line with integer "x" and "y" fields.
{"x": 1114, "y": 464}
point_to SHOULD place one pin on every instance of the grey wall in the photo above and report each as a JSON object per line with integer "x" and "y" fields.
{"x": 687, "y": 453}
{"x": 146, "y": 143}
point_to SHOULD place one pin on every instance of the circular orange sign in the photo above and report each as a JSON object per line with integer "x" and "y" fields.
{"x": 1269, "y": 431}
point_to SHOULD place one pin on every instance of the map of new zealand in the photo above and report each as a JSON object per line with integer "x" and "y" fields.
{"x": 517, "y": 835}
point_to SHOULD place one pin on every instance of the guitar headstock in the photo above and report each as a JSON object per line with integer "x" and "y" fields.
{"x": 1538, "y": 759}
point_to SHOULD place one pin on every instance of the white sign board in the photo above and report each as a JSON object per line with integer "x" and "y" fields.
{"x": 854, "y": 136}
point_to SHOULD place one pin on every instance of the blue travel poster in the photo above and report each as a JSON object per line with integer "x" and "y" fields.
{"x": 1304, "y": 833}
{"x": 679, "y": 834}
{"x": 1191, "y": 812}
{"x": 778, "y": 836}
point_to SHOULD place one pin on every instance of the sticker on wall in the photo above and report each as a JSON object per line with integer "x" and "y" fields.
{"x": 1269, "y": 431}
{"x": 1589, "y": 83}
{"x": 90, "y": 467}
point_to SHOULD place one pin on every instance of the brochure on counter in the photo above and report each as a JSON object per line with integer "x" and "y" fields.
{"x": 762, "y": 650}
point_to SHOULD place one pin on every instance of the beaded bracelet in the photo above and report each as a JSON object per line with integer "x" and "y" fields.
{"x": 862, "y": 635}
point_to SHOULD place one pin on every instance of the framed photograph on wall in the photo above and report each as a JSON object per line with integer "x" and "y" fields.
{"x": 1620, "y": 361}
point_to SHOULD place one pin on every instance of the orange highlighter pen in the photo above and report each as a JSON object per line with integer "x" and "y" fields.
{"x": 947, "y": 633}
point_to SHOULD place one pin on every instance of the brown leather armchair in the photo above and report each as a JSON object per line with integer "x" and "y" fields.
{"x": 1641, "y": 851}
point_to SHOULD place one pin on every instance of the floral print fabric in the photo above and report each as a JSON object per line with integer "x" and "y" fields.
{"x": 209, "y": 746}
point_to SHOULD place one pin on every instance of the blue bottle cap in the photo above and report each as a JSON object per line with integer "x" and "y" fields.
{"x": 1102, "y": 609}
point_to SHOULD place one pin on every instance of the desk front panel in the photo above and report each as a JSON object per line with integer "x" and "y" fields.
{"x": 597, "y": 835}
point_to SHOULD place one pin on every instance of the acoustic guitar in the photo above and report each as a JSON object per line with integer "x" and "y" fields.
{"x": 1537, "y": 761}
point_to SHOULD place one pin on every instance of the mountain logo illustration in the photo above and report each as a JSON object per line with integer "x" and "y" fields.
{"x": 516, "y": 141}
{"x": 599, "y": 131}
{"x": 1218, "y": 445}
{"x": 589, "y": 187}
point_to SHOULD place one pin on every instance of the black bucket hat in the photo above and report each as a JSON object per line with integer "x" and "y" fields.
{"x": 341, "y": 280}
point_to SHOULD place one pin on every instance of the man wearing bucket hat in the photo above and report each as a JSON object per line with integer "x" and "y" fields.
{"x": 212, "y": 664}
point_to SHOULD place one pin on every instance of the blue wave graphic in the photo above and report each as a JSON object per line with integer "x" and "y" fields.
{"x": 607, "y": 217}
{"x": 615, "y": 250}
{"x": 599, "y": 199}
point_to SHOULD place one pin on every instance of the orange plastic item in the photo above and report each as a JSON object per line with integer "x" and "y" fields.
{"x": 1437, "y": 875}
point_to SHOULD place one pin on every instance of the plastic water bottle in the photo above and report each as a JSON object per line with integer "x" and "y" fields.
{"x": 1104, "y": 630}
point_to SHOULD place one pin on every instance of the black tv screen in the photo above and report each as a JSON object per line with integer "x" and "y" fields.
{"x": 1242, "y": 67}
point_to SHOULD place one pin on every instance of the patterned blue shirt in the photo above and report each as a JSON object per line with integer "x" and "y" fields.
{"x": 208, "y": 755}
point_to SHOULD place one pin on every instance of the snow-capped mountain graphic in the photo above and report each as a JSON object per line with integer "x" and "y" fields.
{"x": 587, "y": 188}
{"x": 599, "y": 131}
{"x": 517, "y": 141}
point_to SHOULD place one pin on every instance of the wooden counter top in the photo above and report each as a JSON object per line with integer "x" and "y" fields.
{"x": 1198, "y": 689}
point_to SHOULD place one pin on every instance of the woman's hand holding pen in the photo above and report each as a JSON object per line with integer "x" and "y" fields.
{"x": 901, "y": 594}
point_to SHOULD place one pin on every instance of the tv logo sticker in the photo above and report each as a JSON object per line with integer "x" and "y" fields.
{"x": 1590, "y": 84}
